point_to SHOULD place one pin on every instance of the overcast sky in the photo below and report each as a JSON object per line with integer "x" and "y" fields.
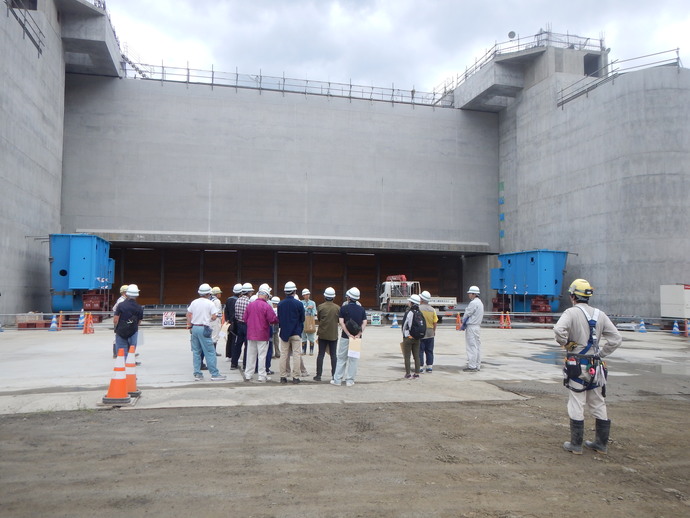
{"x": 408, "y": 43}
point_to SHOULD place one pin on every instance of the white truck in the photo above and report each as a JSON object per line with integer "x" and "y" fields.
{"x": 397, "y": 289}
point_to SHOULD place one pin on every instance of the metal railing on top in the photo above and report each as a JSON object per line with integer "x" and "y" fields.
{"x": 614, "y": 69}
{"x": 541, "y": 39}
{"x": 20, "y": 10}
{"x": 284, "y": 84}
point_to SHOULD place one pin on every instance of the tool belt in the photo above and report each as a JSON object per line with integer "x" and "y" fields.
{"x": 583, "y": 372}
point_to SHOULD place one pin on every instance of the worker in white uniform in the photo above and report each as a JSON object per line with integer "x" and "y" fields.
{"x": 471, "y": 322}
{"x": 579, "y": 331}
{"x": 216, "y": 292}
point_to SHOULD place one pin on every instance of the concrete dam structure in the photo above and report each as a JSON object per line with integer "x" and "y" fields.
{"x": 543, "y": 145}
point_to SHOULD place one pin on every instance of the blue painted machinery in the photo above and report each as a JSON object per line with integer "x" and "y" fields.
{"x": 531, "y": 280}
{"x": 81, "y": 272}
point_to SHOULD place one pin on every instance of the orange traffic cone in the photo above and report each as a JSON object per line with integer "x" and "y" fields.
{"x": 88, "y": 324}
{"x": 506, "y": 322}
{"x": 117, "y": 393}
{"x": 501, "y": 322}
{"x": 131, "y": 373}
{"x": 458, "y": 322}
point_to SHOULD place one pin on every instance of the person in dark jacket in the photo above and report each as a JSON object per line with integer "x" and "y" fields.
{"x": 291, "y": 319}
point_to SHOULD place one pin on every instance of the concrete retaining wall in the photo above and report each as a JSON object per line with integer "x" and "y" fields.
{"x": 605, "y": 178}
{"x": 145, "y": 159}
{"x": 31, "y": 128}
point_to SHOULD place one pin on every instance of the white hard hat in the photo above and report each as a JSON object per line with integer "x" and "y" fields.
{"x": 247, "y": 287}
{"x": 253, "y": 298}
{"x": 425, "y": 296}
{"x": 305, "y": 291}
{"x": 265, "y": 289}
{"x": 290, "y": 287}
{"x": 275, "y": 300}
{"x": 204, "y": 289}
{"x": 132, "y": 290}
{"x": 353, "y": 293}
{"x": 237, "y": 288}
{"x": 473, "y": 289}
{"x": 329, "y": 293}
{"x": 415, "y": 299}
{"x": 216, "y": 290}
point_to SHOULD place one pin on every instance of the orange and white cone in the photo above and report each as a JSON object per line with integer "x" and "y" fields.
{"x": 117, "y": 393}
{"x": 131, "y": 373}
{"x": 88, "y": 324}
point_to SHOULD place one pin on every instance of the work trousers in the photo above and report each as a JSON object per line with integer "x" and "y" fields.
{"x": 473, "y": 346}
{"x": 239, "y": 342}
{"x": 426, "y": 351}
{"x": 331, "y": 346}
{"x": 294, "y": 346}
{"x": 215, "y": 330}
{"x": 345, "y": 363}
{"x": 230, "y": 343}
{"x": 410, "y": 345}
{"x": 256, "y": 351}
{"x": 593, "y": 400}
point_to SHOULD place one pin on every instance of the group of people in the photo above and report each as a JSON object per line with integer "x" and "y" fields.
{"x": 256, "y": 323}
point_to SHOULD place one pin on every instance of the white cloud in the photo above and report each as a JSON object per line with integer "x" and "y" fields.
{"x": 379, "y": 42}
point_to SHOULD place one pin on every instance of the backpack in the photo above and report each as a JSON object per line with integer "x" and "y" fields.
{"x": 418, "y": 325}
{"x": 127, "y": 328}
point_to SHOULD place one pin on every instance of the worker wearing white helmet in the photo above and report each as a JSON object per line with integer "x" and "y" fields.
{"x": 200, "y": 313}
{"x": 259, "y": 317}
{"x": 352, "y": 320}
{"x": 471, "y": 321}
{"x": 309, "y": 333}
{"x": 127, "y": 317}
{"x": 580, "y": 330}
{"x": 216, "y": 292}
{"x": 241, "y": 341}
{"x": 413, "y": 329}
{"x": 275, "y": 338}
{"x": 122, "y": 298}
{"x": 327, "y": 314}
{"x": 426, "y": 344}
{"x": 229, "y": 313}
{"x": 291, "y": 317}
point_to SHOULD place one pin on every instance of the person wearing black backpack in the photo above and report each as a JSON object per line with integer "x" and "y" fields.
{"x": 128, "y": 315}
{"x": 413, "y": 330}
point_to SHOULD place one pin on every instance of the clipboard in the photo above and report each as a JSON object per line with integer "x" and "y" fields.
{"x": 354, "y": 348}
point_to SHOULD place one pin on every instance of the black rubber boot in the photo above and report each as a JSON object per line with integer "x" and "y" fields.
{"x": 577, "y": 432}
{"x": 602, "y": 437}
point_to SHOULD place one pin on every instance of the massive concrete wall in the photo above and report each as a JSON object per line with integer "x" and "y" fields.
{"x": 147, "y": 161}
{"x": 605, "y": 178}
{"x": 31, "y": 126}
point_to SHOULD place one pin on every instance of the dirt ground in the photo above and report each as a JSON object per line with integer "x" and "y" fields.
{"x": 473, "y": 459}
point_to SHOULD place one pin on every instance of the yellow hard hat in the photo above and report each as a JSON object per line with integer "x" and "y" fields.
{"x": 581, "y": 288}
{"x": 123, "y": 288}
{"x": 216, "y": 290}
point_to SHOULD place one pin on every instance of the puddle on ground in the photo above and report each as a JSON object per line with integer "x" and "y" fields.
{"x": 554, "y": 357}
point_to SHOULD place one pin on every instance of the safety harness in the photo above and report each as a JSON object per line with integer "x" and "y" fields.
{"x": 592, "y": 364}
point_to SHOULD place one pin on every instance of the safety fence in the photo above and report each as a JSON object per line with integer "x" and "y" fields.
{"x": 21, "y": 11}
{"x": 616, "y": 68}
{"x": 215, "y": 78}
{"x": 516, "y": 44}
{"x": 174, "y": 316}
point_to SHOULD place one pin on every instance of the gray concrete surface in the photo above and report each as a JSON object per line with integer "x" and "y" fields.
{"x": 173, "y": 139}
{"x": 43, "y": 371}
